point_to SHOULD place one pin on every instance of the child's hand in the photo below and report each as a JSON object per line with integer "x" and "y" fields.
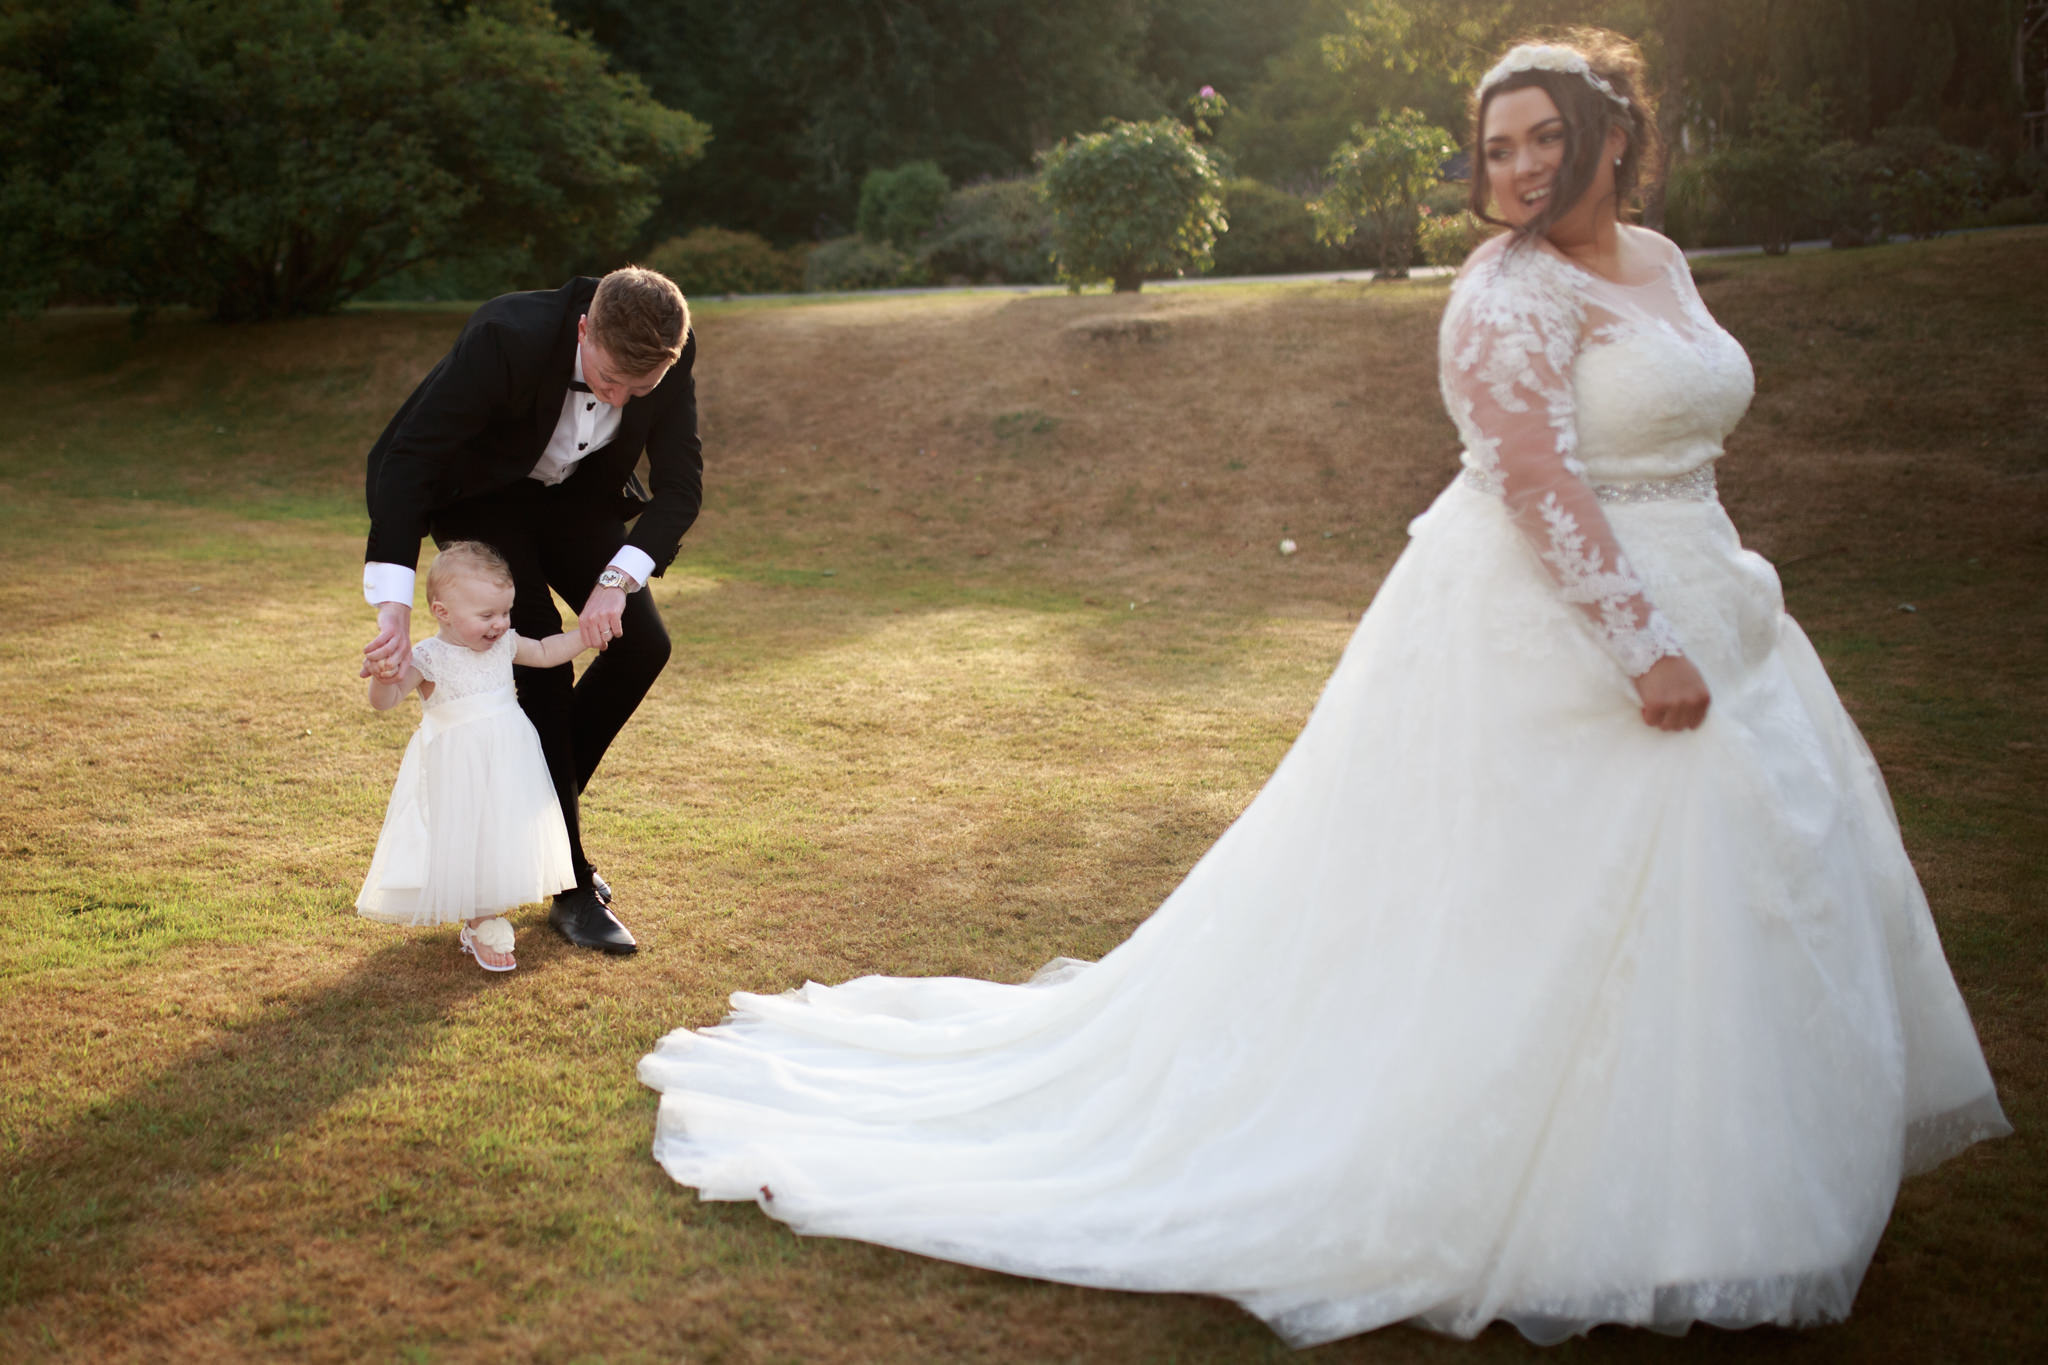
{"x": 384, "y": 670}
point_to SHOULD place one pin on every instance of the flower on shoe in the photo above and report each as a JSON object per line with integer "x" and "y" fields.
{"x": 494, "y": 933}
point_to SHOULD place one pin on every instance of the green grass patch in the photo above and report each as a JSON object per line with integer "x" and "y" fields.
{"x": 982, "y": 639}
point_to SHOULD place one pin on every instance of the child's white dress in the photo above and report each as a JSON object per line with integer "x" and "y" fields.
{"x": 473, "y": 826}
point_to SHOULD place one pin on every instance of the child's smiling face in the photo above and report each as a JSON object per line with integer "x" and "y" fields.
{"x": 474, "y": 612}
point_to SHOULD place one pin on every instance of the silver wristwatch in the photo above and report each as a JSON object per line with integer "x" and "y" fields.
{"x": 617, "y": 578}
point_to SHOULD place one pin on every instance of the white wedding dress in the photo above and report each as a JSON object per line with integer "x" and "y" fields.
{"x": 1495, "y": 1003}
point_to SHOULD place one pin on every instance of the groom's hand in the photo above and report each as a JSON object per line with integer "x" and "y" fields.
{"x": 600, "y": 622}
{"x": 393, "y": 645}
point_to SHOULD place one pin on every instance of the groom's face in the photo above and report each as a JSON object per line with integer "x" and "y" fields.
{"x": 608, "y": 383}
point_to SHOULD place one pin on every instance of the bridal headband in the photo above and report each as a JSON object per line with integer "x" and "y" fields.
{"x": 1548, "y": 57}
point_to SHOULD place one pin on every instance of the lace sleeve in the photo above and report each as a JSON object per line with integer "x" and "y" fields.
{"x": 424, "y": 657}
{"x": 1504, "y": 359}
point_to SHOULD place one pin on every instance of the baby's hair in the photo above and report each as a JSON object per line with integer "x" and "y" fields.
{"x": 466, "y": 559}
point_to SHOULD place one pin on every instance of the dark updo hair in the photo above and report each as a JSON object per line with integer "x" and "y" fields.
{"x": 1587, "y": 114}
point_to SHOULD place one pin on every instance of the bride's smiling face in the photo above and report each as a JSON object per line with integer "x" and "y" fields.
{"x": 1524, "y": 142}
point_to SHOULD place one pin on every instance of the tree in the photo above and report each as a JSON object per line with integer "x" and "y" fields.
{"x": 807, "y": 98}
{"x": 899, "y": 206}
{"x": 1925, "y": 185}
{"x": 1133, "y": 200}
{"x": 1768, "y": 182}
{"x": 279, "y": 156}
{"x": 1459, "y": 38}
{"x": 1380, "y": 177}
{"x": 1285, "y": 121}
{"x": 2030, "y": 24}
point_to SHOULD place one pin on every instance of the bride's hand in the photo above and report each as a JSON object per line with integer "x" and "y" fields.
{"x": 1674, "y": 694}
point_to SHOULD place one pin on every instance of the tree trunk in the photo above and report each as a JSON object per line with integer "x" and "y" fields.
{"x": 1393, "y": 260}
{"x": 1670, "y": 110}
{"x": 1127, "y": 281}
{"x": 2031, "y": 18}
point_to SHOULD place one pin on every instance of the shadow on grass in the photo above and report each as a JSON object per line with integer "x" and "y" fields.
{"x": 73, "y": 1197}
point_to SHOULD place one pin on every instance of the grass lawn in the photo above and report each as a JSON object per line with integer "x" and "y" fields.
{"x": 982, "y": 638}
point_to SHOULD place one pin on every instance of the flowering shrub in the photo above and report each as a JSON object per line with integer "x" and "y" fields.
{"x": 1379, "y": 178}
{"x": 1447, "y": 237}
{"x": 1133, "y": 200}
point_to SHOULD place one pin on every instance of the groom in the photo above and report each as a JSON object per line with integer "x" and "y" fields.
{"x": 525, "y": 436}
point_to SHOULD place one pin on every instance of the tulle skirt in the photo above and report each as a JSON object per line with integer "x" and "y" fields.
{"x": 1494, "y": 1004}
{"x": 473, "y": 826}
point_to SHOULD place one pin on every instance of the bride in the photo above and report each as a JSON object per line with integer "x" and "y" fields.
{"x": 1568, "y": 970}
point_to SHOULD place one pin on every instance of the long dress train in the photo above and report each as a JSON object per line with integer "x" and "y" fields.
{"x": 1495, "y": 1003}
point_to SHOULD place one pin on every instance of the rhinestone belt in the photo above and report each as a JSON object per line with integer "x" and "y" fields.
{"x": 1695, "y": 485}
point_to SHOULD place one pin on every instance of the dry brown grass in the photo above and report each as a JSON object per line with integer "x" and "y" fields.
{"x": 982, "y": 638}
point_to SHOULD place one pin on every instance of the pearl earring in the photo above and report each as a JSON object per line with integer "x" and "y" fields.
{"x": 1617, "y": 163}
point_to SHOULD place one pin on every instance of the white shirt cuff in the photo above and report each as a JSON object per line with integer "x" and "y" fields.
{"x": 635, "y": 563}
{"x": 387, "y": 583}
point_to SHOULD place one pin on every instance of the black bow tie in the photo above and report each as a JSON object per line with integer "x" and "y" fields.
{"x": 579, "y": 386}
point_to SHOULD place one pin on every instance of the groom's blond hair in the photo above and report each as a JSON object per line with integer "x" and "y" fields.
{"x": 640, "y": 318}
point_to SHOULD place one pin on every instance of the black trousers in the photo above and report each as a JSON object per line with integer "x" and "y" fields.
{"x": 554, "y": 540}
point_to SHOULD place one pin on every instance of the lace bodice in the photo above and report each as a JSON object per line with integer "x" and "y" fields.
{"x": 457, "y": 671}
{"x": 1565, "y": 386}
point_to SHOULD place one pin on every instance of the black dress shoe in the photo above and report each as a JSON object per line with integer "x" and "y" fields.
{"x": 603, "y": 889}
{"x": 583, "y": 919}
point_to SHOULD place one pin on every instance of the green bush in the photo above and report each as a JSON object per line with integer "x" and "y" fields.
{"x": 1924, "y": 185}
{"x": 2013, "y": 211}
{"x": 1764, "y": 182}
{"x": 2018, "y": 195}
{"x": 1448, "y": 238}
{"x": 1271, "y": 233}
{"x": 1779, "y": 180}
{"x": 2027, "y": 175}
{"x": 847, "y": 263}
{"x": 714, "y": 261}
{"x": 1905, "y": 180}
{"x": 1379, "y": 179}
{"x": 1136, "y": 199}
{"x": 1844, "y": 177}
{"x": 995, "y": 233}
{"x": 1689, "y": 216}
{"x": 899, "y": 206}
{"x": 267, "y": 160}
{"x": 478, "y": 274}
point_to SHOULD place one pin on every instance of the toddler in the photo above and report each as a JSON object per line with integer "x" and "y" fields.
{"x": 473, "y": 826}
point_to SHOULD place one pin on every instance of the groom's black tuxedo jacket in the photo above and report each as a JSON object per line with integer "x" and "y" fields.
{"x": 482, "y": 417}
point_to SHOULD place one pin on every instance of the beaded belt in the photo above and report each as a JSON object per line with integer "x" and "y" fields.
{"x": 1695, "y": 485}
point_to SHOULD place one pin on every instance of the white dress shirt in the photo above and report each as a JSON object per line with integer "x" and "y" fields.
{"x": 585, "y": 425}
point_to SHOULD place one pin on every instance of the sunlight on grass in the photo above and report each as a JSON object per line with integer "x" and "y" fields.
{"x": 982, "y": 639}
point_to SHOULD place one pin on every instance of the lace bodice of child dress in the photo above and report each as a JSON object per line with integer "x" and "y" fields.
{"x": 1570, "y": 390}
{"x": 459, "y": 672}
